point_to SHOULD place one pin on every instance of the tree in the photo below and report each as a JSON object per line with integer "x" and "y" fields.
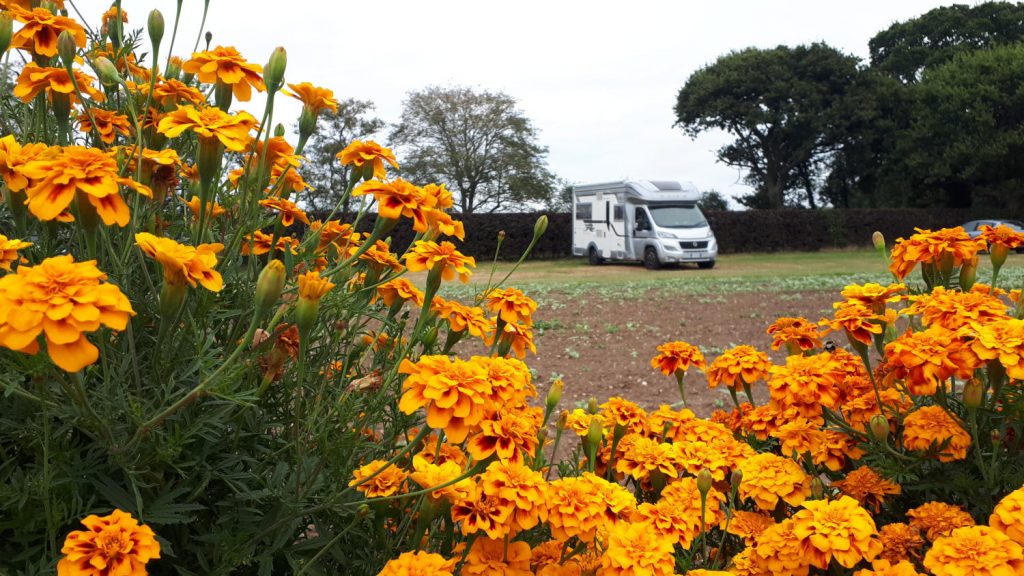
{"x": 906, "y": 49}
{"x": 335, "y": 131}
{"x": 713, "y": 201}
{"x": 478, "y": 144}
{"x": 784, "y": 106}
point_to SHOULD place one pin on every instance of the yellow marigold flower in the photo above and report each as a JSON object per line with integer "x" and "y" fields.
{"x": 703, "y": 572}
{"x": 359, "y": 153}
{"x": 430, "y": 255}
{"x": 867, "y": 487}
{"x": 183, "y": 263}
{"x": 738, "y": 366}
{"x": 35, "y": 79}
{"x": 518, "y": 337}
{"x": 674, "y": 357}
{"x": 88, "y": 171}
{"x": 579, "y": 421}
{"x": 858, "y": 410}
{"x": 1002, "y": 339}
{"x": 479, "y": 513}
{"x": 767, "y": 478}
{"x": 1008, "y": 516}
{"x": 379, "y": 256}
{"x": 440, "y": 222}
{"x": 334, "y": 233}
{"x": 510, "y": 380}
{"x": 1002, "y": 235}
{"x": 938, "y": 518}
{"x": 211, "y": 122}
{"x": 874, "y": 296}
{"x": 488, "y": 557}
{"x": 929, "y": 247}
{"x": 749, "y": 525}
{"x": 953, "y": 309}
{"x": 900, "y": 542}
{"x": 511, "y": 305}
{"x": 644, "y": 457}
{"x": 213, "y": 209}
{"x": 859, "y": 322}
{"x": 975, "y": 551}
{"x": 40, "y": 31}
{"x": 13, "y": 156}
{"x": 698, "y": 455}
{"x": 621, "y": 412}
{"x": 459, "y": 316}
{"x": 684, "y": 495}
{"x": 419, "y": 563}
{"x": 109, "y": 546}
{"x": 442, "y": 196}
{"x": 9, "y": 250}
{"x": 666, "y": 416}
{"x": 799, "y": 436}
{"x": 633, "y": 549}
{"x": 108, "y": 124}
{"x": 61, "y": 299}
{"x": 885, "y": 568}
{"x": 928, "y": 427}
{"x": 518, "y": 485}
{"x": 399, "y": 198}
{"x": 399, "y": 290}
{"x": 924, "y": 357}
{"x": 387, "y": 483}
{"x": 799, "y": 333}
{"x": 258, "y": 243}
{"x": 578, "y": 506}
{"x": 290, "y": 211}
{"x": 508, "y": 433}
{"x": 779, "y": 551}
{"x": 169, "y": 92}
{"x": 313, "y": 97}
{"x": 805, "y": 383}
{"x": 838, "y": 529}
{"x": 454, "y": 393}
{"x": 836, "y": 451}
{"x": 312, "y": 286}
{"x": 225, "y": 65}
{"x": 428, "y": 474}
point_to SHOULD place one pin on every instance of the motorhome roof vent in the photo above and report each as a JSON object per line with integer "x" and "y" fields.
{"x": 666, "y": 185}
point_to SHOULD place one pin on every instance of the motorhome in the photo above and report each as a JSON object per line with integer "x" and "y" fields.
{"x": 654, "y": 222}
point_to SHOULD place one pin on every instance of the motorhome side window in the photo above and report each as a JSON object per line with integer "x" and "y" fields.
{"x": 641, "y": 220}
{"x": 584, "y": 211}
{"x": 617, "y": 214}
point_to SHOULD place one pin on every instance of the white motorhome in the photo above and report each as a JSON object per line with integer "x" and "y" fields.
{"x": 655, "y": 222}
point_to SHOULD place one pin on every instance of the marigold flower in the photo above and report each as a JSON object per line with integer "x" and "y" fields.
{"x": 578, "y": 506}
{"x": 183, "y": 263}
{"x": 399, "y": 289}
{"x": 440, "y": 222}
{"x": 454, "y": 393}
{"x": 508, "y": 434}
{"x": 35, "y": 79}
{"x": 975, "y": 551}
{"x": 925, "y": 357}
{"x": 749, "y": 525}
{"x": 419, "y": 563}
{"x": 510, "y": 380}
{"x": 621, "y": 412}
{"x": 489, "y": 556}
{"x": 953, "y": 309}
{"x": 1008, "y": 516}
{"x": 312, "y": 286}
{"x": 314, "y": 98}
{"x": 859, "y": 322}
{"x": 579, "y": 421}
{"x": 858, "y": 410}
{"x": 110, "y": 545}
{"x": 874, "y": 296}
{"x": 633, "y": 549}
{"x": 929, "y": 247}
{"x": 13, "y": 156}
{"x": 645, "y": 456}
{"x": 838, "y": 529}
{"x": 900, "y": 542}
{"x": 290, "y": 211}
{"x": 518, "y": 485}
{"x": 480, "y": 513}
{"x": 867, "y": 487}
{"x": 41, "y": 29}
{"x": 399, "y": 198}
{"x": 334, "y": 233}
{"x": 805, "y": 383}
{"x": 168, "y": 92}
{"x": 213, "y": 209}
{"x": 211, "y": 122}
{"x": 108, "y": 124}
{"x": 801, "y": 333}
{"x": 225, "y": 65}
{"x": 929, "y": 427}
{"x": 938, "y": 518}
{"x": 767, "y": 478}
{"x": 379, "y": 256}
{"x": 779, "y": 551}
{"x": 459, "y": 316}
{"x": 387, "y": 483}
{"x": 1002, "y": 235}
{"x": 1002, "y": 339}
{"x": 511, "y": 305}
{"x": 430, "y": 255}
{"x": 9, "y": 250}
{"x": 61, "y": 299}
{"x": 738, "y": 366}
{"x": 517, "y": 337}
{"x": 883, "y": 567}
{"x": 428, "y": 475}
{"x": 359, "y": 153}
{"x": 258, "y": 243}
{"x": 674, "y": 357}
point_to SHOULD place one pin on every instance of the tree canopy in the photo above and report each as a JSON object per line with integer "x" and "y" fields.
{"x": 478, "y": 143}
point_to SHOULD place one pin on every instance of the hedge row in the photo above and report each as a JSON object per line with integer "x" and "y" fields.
{"x": 746, "y": 231}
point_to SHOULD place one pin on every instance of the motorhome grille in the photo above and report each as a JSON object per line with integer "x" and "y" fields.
{"x": 691, "y": 244}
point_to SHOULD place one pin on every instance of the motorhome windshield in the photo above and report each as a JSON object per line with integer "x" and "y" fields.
{"x": 677, "y": 216}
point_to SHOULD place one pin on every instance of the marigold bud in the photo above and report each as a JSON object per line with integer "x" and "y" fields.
{"x": 974, "y": 393}
{"x": 6, "y": 31}
{"x": 563, "y": 420}
{"x": 735, "y": 479}
{"x": 279, "y": 130}
{"x": 430, "y": 337}
{"x": 269, "y": 284}
{"x": 156, "y": 28}
{"x": 501, "y": 235}
{"x": 877, "y": 240}
{"x": 107, "y": 72}
{"x": 596, "y": 432}
{"x": 305, "y": 314}
{"x": 209, "y": 38}
{"x": 173, "y": 68}
{"x": 997, "y": 254}
{"x": 554, "y": 394}
{"x": 540, "y": 226}
{"x": 879, "y": 427}
{"x": 968, "y": 273}
{"x": 592, "y": 406}
{"x": 66, "y": 48}
{"x": 704, "y": 481}
{"x": 273, "y": 72}
{"x": 817, "y": 488}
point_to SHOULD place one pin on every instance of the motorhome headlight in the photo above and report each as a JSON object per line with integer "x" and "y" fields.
{"x": 662, "y": 234}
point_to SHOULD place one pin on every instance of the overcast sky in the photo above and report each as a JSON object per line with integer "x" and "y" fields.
{"x": 598, "y": 79}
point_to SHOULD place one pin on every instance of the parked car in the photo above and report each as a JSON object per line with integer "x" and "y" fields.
{"x": 973, "y": 227}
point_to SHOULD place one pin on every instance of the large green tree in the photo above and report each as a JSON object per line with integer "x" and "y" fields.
{"x": 784, "y": 106}
{"x": 906, "y": 49}
{"x": 479, "y": 144}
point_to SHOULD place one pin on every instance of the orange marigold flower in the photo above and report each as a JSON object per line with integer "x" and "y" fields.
{"x": 9, "y": 251}
{"x": 488, "y": 557}
{"x": 108, "y": 124}
{"x": 439, "y": 222}
{"x": 578, "y": 506}
{"x": 925, "y": 357}
{"x": 749, "y": 525}
{"x": 767, "y": 478}
{"x": 314, "y": 98}
{"x": 738, "y": 366}
{"x": 867, "y": 487}
{"x": 517, "y": 337}
{"x": 41, "y": 29}
{"x": 430, "y": 255}
{"x": 211, "y": 122}
{"x": 379, "y": 256}
{"x": 419, "y": 563}
{"x": 929, "y": 247}
{"x": 312, "y": 286}
{"x": 675, "y": 357}
{"x": 838, "y": 529}
{"x": 938, "y": 518}
{"x": 779, "y": 551}
{"x": 480, "y": 513}
{"x": 1002, "y": 235}
{"x": 428, "y": 475}
{"x": 762, "y": 420}
{"x": 511, "y": 305}
{"x": 806, "y": 383}
{"x": 859, "y": 322}
{"x": 883, "y": 567}
{"x": 213, "y": 209}
{"x": 510, "y": 434}
{"x": 633, "y": 549}
{"x": 953, "y": 309}
{"x": 798, "y": 333}
{"x": 183, "y": 264}
{"x": 35, "y": 79}
{"x": 168, "y": 92}
{"x": 460, "y": 317}
{"x": 399, "y": 290}
{"x": 454, "y": 393}
{"x": 579, "y": 421}
{"x": 900, "y": 542}
{"x": 645, "y": 457}
{"x": 290, "y": 211}
{"x": 399, "y": 198}
{"x": 110, "y": 545}
{"x": 874, "y": 296}
{"x": 1008, "y": 516}
{"x": 379, "y": 479}
{"x": 61, "y": 299}
{"x": 928, "y": 427}
{"x": 359, "y": 153}
{"x": 799, "y": 436}
{"x": 258, "y": 243}
{"x": 975, "y": 551}
{"x": 1002, "y": 339}
{"x": 836, "y": 450}
{"x": 334, "y": 233}
{"x": 13, "y": 156}
{"x": 518, "y": 485}
{"x": 225, "y": 65}
{"x": 442, "y": 196}
{"x": 621, "y": 412}
{"x": 510, "y": 380}
{"x": 858, "y": 410}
